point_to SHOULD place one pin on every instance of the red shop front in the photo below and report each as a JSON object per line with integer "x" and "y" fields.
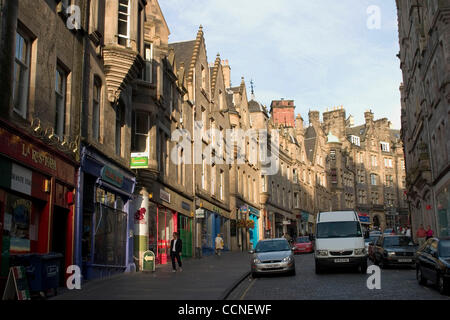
{"x": 166, "y": 224}
{"x": 37, "y": 186}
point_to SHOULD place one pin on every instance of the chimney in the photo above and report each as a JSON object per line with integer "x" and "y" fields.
{"x": 368, "y": 115}
{"x": 314, "y": 118}
{"x": 226, "y": 73}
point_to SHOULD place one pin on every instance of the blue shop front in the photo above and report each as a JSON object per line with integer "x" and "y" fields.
{"x": 254, "y": 232}
{"x": 104, "y": 228}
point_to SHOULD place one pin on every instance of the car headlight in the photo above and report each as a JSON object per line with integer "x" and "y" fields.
{"x": 256, "y": 261}
{"x": 287, "y": 259}
{"x": 391, "y": 253}
{"x": 322, "y": 253}
{"x": 360, "y": 252}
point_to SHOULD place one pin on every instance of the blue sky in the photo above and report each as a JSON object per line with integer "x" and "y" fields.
{"x": 319, "y": 53}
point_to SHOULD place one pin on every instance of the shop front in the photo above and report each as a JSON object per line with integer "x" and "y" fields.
{"x": 443, "y": 210}
{"x": 216, "y": 220}
{"x": 105, "y": 229}
{"x": 166, "y": 212}
{"x": 254, "y": 232}
{"x": 37, "y": 187}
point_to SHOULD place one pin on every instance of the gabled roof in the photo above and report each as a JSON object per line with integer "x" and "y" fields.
{"x": 188, "y": 51}
{"x": 183, "y": 52}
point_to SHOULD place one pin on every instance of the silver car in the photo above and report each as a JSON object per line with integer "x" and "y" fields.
{"x": 272, "y": 256}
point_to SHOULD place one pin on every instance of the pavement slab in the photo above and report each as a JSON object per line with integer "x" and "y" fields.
{"x": 207, "y": 278}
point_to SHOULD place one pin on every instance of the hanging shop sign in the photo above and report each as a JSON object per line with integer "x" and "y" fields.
{"x": 112, "y": 176}
{"x": 200, "y": 213}
{"x": 165, "y": 196}
{"x": 139, "y": 161}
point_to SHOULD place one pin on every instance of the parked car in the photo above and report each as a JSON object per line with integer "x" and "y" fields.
{"x": 339, "y": 241}
{"x": 388, "y": 231}
{"x": 272, "y": 256}
{"x": 433, "y": 263}
{"x": 303, "y": 245}
{"x": 370, "y": 244}
{"x": 391, "y": 250}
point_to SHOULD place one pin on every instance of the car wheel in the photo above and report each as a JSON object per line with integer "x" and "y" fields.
{"x": 363, "y": 267}
{"x": 382, "y": 264}
{"x": 319, "y": 269}
{"x": 254, "y": 275}
{"x": 420, "y": 277}
{"x": 292, "y": 273}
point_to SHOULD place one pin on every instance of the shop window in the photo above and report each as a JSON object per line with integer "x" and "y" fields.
{"x": 110, "y": 236}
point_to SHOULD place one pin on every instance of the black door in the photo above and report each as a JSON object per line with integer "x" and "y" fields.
{"x": 59, "y": 242}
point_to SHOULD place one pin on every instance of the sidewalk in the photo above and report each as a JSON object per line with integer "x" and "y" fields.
{"x": 202, "y": 279}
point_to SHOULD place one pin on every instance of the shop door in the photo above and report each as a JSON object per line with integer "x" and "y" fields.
{"x": 59, "y": 234}
{"x": 185, "y": 230}
{"x": 254, "y": 233}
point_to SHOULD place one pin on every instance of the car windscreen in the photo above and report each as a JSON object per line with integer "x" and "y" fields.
{"x": 444, "y": 248}
{"x": 372, "y": 239}
{"x": 272, "y": 246}
{"x": 303, "y": 240}
{"x": 342, "y": 229}
{"x": 398, "y": 242}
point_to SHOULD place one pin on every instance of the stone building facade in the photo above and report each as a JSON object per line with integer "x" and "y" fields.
{"x": 424, "y": 35}
{"x": 366, "y": 168}
{"x": 41, "y": 77}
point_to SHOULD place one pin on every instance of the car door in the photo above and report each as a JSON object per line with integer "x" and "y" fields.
{"x": 433, "y": 261}
{"x": 427, "y": 261}
{"x": 378, "y": 249}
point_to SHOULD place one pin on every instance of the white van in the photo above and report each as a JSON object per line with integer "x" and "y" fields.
{"x": 339, "y": 241}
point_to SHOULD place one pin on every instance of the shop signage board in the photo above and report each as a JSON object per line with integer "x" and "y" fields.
{"x": 21, "y": 179}
{"x": 139, "y": 161}
{"x": 254, "y": 211}
{"x": 112, "y": 176}
{"x": 186, "y": 206}
{"x": 165, "y": 196}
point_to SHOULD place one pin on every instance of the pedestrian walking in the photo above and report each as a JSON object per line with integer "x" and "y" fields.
{"x": 408, "y": 231}
{"x": 219, "y": 244}
{"x": 176, "y": 246}
{"x": 429, "y": 232}
{"x": 421, "y": 235}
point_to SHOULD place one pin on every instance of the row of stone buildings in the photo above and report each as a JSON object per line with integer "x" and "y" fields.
{"x": 424, "y": 34}
{"x": 112, "y": 139}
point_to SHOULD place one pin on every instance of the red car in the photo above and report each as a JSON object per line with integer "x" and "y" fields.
{"x": 303, "y": 245}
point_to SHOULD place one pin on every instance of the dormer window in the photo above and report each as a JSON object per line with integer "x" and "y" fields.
{"x": 356, "y": 140}
{"x": 385, "y": 147}
{"x": 124, "y": 23}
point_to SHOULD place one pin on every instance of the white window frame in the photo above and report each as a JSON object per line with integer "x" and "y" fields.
{"x": 128, "y": 22}
{"x": 385, "y": 146}
{"x": 147, "y": 73}
{"x": 356, "y": 140}
{"x": 24, "y": 85}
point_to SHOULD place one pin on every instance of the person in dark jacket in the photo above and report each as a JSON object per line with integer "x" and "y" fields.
{"x": 176, "y": 246}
